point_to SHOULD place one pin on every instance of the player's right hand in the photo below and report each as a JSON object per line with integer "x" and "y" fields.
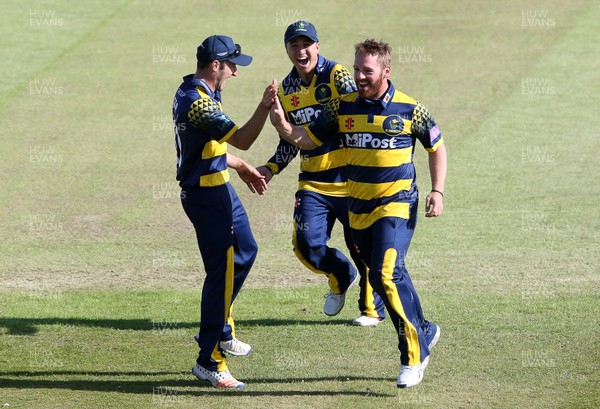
{"x": 277, "y": 115}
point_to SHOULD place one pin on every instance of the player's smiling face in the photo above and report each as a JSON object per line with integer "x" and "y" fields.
{"x": 370, "y": 76}
{"x": 304, "y": 54}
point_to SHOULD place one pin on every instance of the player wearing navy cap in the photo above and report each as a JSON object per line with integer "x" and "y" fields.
{"x": 226, "y": 243}
{"x": 322, "y": 196}
{"x": 379, "y": 126}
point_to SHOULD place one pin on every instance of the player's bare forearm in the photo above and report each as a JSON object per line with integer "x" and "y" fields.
{"x": 253, "y": 179}
{"x": 233, "y": 161}
{"x": 296, "y": 135}
{"x": 245, "y": 136}
{"x": 438, "y": 165}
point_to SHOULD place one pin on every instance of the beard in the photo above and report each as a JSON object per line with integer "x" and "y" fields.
{"x": 372, "y": 90}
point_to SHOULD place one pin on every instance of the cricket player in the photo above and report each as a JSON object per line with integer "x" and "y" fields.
{"x": 379, "y": 126}
{"x": 226, "y": 243}
{"x": 322, "y": 196}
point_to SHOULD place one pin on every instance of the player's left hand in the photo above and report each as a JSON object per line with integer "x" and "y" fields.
{"x": 434, "y": 204}
{"x": 253, "y": 179}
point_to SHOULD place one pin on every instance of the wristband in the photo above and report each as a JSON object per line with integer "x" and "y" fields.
{"x": 270, "y": 170}
{"x": 435, "y": 190}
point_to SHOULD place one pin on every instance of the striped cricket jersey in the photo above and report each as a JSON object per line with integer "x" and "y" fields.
{"x": 379, "y": 137}
{"x": 322, "y": 170}
{"x": 201, "y": 131}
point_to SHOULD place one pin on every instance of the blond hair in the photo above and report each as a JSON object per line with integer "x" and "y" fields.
{"x": 379, "y": 49}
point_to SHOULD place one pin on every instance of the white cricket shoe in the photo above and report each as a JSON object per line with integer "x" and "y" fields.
{"x": 411, "y": 375}
{"x": 436, "y": 336}
{"x": 221, "y": 379}
{"x": 235, "y": 347}
{"x": 366, "y": 321}
{"x": 335, "y": 302}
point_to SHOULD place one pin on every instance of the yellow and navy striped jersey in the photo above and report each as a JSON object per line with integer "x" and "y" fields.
{"x": 379, "y": 137}
{"x": 201, "y": 132}
{"x": 323, "y": 169}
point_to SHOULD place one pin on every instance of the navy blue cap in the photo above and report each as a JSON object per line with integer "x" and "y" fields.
{"x": 300, "y": 28}
{"x": 222, "y": 48}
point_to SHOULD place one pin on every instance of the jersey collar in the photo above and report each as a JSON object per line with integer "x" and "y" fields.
{"x": 216, "y": 95}
{"x": 385, "y": 100}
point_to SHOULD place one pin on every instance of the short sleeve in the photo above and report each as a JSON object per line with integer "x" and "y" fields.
{"x": 325, "y": 126}
{"x": 344, "y": 83}
{"x": 206, "y": 115}
{"x": 425, "y": 129}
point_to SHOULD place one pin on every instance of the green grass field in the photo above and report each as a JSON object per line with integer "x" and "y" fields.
{"x": 100, "y": 274}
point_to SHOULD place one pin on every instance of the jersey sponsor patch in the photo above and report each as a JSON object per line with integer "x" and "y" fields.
{"x": 367, "y": 140}
{"x": 304, "y": 116}
{"x": 434, "y": 133}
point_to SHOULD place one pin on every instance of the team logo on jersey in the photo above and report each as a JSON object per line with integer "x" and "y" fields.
{"x": 393, "y": 125}
{"x": 323, "y": 93}
{"x": 349, "y": 123}
{"x": 295, "y": 101}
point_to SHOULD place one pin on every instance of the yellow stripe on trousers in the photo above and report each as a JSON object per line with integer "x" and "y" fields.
{"x": 369, "y": 298}
{"x": 391, "y": 292}
{"x": 228, "y": 294}
{"x": 230, "y": 321}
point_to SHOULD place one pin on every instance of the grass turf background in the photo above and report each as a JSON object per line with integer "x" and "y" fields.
{"x": 100, "y": 271}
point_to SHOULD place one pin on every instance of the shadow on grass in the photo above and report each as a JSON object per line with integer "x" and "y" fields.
{"x": 171, "y": 387}
{"x": 29, "y": 326}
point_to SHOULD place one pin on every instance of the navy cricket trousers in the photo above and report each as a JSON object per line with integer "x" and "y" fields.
{"x": 314, "y": 217}
{"x": 383, "y": 246}
{"x": 228, "y": 250}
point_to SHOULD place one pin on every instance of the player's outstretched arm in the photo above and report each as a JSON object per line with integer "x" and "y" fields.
{"x": 296, "y": 135}
{"x": 245, "y": 136}
{"x": 254, "y": 180}
{"x": 438, "y": 165}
